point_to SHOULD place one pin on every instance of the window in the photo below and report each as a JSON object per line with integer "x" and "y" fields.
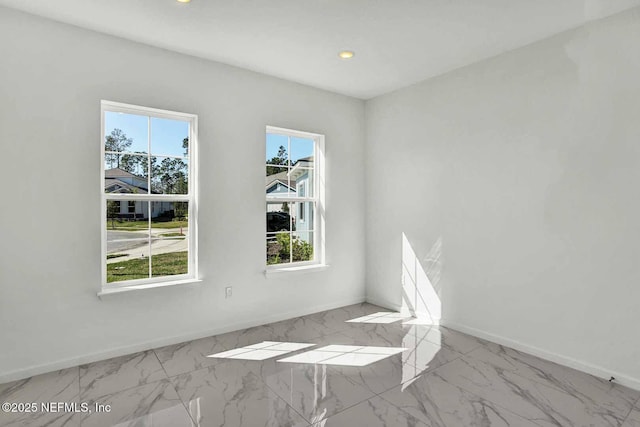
{"x": 148, "y": 165}
{"x": 294, "y": 209}
{"x": 301, "y": 193}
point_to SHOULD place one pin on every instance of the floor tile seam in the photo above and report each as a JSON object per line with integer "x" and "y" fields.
{"x": 625, "y": 419}
{"x": 314, "y": 322}
{"x": 127, "y": 358}
{"x": 422, "y": 373}
{"x": 476, "y": 396}
{"x": 209, "y": 367}
{"x": 545, "y": 383}
{"x": 520, "y": 376}
{"x": 393, "y": 404}
{"x": 405, "y": 411}
{"x": 103, "y": 396}
{"x": 224, "y": 348}
{"x": 172, "y": 385}
{"x": 633, "y": 408}
{"x": 535, "y": 368}
{"x": 458, "y": 356}
{"x": 79, "y": 386}
{"x": 184, "y": 404}
{"x": 275, "y": 393}
{"x": 449, "y": 347}
{"x": 161, "y": 365}
{"x": 350, "y": 406}
{"x": 500, "y": 404}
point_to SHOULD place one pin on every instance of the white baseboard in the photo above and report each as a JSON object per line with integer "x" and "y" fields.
{"x": 384, "y": 304}
{"x": 398, "y": 308}
{"x": 19, "y": 374}
{"x": 579, "y": 365}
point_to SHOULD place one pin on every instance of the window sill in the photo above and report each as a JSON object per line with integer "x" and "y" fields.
{"x": 122, "y": 289}
{"x": 273, "y": 272}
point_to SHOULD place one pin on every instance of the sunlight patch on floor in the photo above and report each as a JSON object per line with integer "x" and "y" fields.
{"x": 380, "y": 317}
{"x": 344, "y": 355}
{"x": 262, "y": 351}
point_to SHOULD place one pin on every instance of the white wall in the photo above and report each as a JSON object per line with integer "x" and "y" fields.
{"x": 526, "y": 169}
{"x": 52, "y": 78}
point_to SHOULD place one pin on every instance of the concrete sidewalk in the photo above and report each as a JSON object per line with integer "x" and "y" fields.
{"x": 159, "y": 245}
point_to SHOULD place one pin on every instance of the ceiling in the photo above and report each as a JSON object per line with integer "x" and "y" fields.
{"x": 397, "y": 42}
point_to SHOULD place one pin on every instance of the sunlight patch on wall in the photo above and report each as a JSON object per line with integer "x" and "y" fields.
{"x": 419, "y": 296}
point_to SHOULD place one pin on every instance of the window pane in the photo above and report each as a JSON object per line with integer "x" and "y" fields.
{"x": 169, "y": 175}
{"x": 125, "y": 133}
{"x": 169, "y": 216}
{"x": 302, "y": 151}
{"x": 130, "y": 268}
{"x": 278, "y": 248}
{"x": 280, "y": 217}
{"x": 169, "y": 137}
{"x": 130, "y": 177}
{"x": 303, "y": 179}
{"x": 302, "y": 246}
{"x": 169, "y": 243}
{"x": 127, "y": 215}
{"x": 290, "y": 175}
{"x": 127, "y": 241}
{"x": 278, "y": 183}
{"x": 304, "y": 216}
{"x": 277, "y": 149}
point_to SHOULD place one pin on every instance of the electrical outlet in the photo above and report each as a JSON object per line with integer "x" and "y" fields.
{"x": 228, "y": 292}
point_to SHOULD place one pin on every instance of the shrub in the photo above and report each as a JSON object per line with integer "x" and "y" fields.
{"x": 279, "y": 249}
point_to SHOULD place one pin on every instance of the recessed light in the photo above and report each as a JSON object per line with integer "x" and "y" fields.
{"x": 346, "y": 54}
{"x": 184, "y": 1}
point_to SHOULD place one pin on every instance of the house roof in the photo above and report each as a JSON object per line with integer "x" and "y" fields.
{"x": 114, "y": 177}
{"x": 308, "y": 159}
{"x": 280, "y": 177}
{"x": 123, "y": 186}
{"x": 119, "y": 173}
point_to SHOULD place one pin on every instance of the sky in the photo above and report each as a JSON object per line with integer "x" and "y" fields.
{"x": 300, "y": 147}
{"x": 166, "y": 135}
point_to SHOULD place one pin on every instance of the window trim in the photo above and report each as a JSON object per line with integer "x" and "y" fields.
{"x": 191, "y": 198}
{"x": 318, "y": 198}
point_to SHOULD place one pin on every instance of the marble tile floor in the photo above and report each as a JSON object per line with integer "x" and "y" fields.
{"x": 443, "y": 378}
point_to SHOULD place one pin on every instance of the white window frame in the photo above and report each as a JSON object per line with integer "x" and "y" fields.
{"x": 301, "y": 211}
{"x": 191, "y": 197}
{"x": 318, "y": 199}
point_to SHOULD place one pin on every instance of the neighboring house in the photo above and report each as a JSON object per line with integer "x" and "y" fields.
{"x": 120, "y": 181}
{"x": 296, "y": 182}
{"x": 278, "y": 185}
{"x": 302, "y": 175}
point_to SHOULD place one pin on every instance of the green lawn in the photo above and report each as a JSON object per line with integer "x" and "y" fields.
{"x": 162, "y": 265}
{"x": 172, "y": 235}
{"x": 142, "y": 225}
